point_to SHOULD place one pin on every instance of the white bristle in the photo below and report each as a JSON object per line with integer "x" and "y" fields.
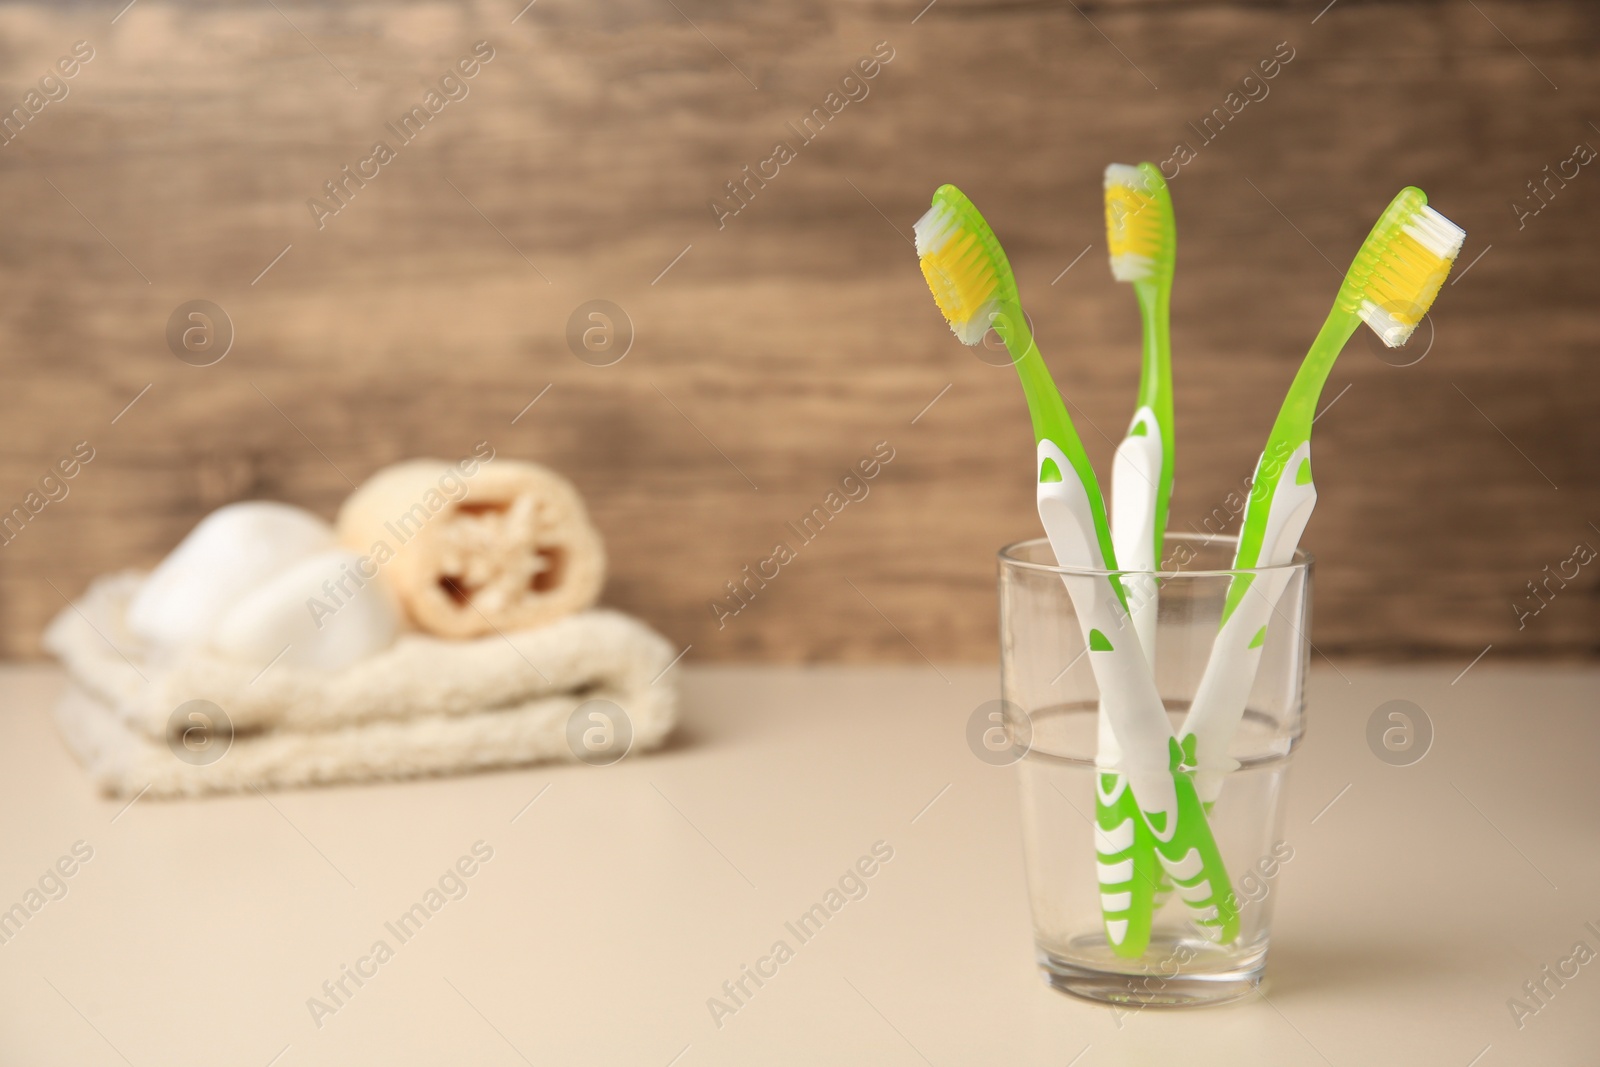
{"x": 1122, "y": 174}
{"x": 934, "y": 229}
{"x": 975, "y": 329}
{"x": 1131, "y": 268}
{"x": 1436, "y": 233}
{"x": 1389, "y": 328}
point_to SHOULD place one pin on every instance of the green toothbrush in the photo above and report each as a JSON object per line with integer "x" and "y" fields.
{"x": 1141, "y": 240}
{"x": 1389, "y": 286}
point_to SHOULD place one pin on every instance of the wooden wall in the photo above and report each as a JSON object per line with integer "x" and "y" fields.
{"x": 783, "y": 345}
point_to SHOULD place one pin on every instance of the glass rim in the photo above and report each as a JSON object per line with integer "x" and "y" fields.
{"x": 1007, "y": 556}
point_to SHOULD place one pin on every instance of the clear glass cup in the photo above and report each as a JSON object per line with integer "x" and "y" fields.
{"x": 1050, "y": 703}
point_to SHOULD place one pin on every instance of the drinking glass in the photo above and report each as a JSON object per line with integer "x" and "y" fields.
{"x": 1050, "y": 703}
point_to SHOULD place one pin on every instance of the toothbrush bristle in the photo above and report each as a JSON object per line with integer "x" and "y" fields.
{"x": 1137, "y": 223}
{"x": 1406, "y": 263}
{"x": 959, "y": 271}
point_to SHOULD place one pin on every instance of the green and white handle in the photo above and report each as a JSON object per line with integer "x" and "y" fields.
{"x": 1136, "y": 482}
{"x": 1164, "y": 795}
{"x": 1130, "y": 877}
{"x": 1128, "y": 869}
{"x": 1284, "y": 487}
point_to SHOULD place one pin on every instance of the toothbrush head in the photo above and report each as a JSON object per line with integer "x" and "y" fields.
{"x": 1401, "y": 267}
{"x": 1140, "y": 233}
{"x": 964, "y": 264}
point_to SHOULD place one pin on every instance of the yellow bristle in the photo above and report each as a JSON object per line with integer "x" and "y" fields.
{"x": 962, "y": 279}
{"x": 1408, "y": 275}
{"x": 1132, "y": 224}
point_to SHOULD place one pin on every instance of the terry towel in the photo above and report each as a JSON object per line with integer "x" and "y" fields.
{"x": 424, "y": 706}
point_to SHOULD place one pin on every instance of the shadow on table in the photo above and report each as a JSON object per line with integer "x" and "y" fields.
{"x": 1374, "y": 967}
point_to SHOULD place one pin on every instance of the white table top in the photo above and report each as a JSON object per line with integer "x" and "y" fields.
{"x": 614, "y": 906}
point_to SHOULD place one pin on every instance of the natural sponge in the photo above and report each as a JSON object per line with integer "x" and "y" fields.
{"x": 473, "y": 548}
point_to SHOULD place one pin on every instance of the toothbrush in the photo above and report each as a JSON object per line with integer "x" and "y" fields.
{"x": 1141, "y": 240}
{"x": 972, "y": 283}
{"x": 1394, "y": 278}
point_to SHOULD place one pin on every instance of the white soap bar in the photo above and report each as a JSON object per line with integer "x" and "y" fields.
{"x": 320, "y": 614}
{"x": 232, "y": 551}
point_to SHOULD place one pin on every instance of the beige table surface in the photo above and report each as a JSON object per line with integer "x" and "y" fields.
{"x": 1419, "y": 899}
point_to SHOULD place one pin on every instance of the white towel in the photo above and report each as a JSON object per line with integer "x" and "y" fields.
{"x": 423, "y": 706}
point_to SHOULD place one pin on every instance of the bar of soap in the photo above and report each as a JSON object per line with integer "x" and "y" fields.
{"x": 232, "y": 551}
{"x": 321, "y": 614}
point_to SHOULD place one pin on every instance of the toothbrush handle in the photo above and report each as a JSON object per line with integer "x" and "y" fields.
{"x": 1224, "y": 690}
{"x": 1230, "y": 673}
{"x": 1164, "y": 795}
{"x": 1128, "y": 869}
{"x": 1193, "y": 861}
{"x": 1136, "y": 481}
{"x": 1136, "y": 478}
{"x": 1171, "y": 825}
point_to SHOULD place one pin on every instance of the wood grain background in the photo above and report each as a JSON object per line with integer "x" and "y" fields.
{"x": 779, "y": 349}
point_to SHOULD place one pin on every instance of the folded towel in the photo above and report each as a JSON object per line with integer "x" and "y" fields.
{"x": 423, "y": 706}
{"x": 476, "y": 546}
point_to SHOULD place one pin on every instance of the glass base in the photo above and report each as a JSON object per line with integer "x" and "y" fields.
{"x": 1128, "y": 983}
